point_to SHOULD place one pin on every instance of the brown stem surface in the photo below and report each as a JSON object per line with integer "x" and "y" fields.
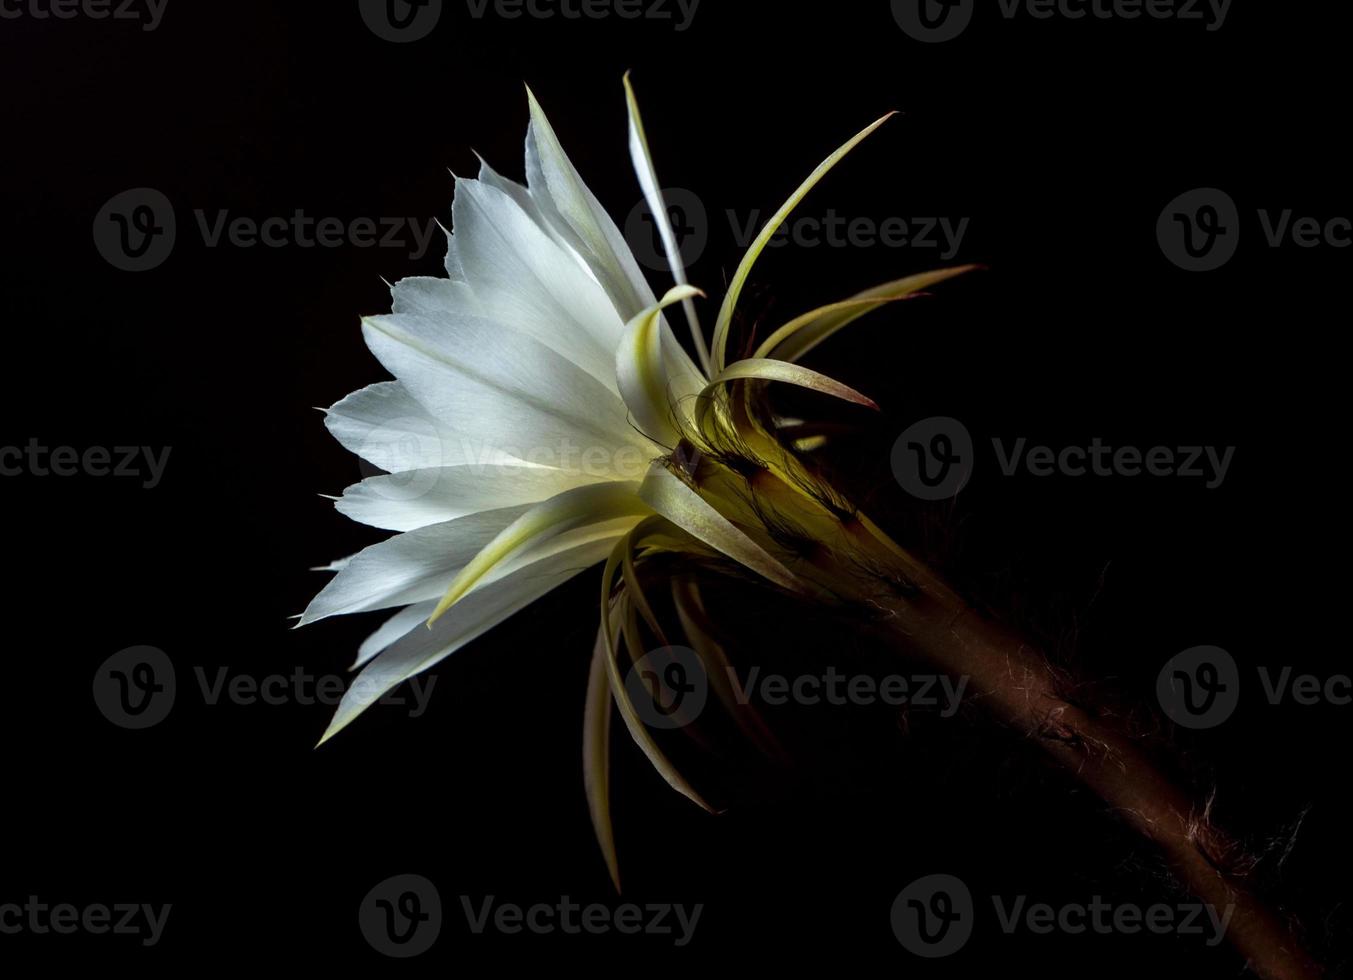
{"x": 1017, "y": 683}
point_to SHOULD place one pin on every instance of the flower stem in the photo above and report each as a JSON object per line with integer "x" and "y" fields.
{"x": 1017, "y": 683}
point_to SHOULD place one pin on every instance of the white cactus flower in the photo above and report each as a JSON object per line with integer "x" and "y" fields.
{"x": 544, "y": 418}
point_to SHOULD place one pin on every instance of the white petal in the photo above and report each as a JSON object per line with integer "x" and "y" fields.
{"x": 739, "y": 280}
{"x": 580, "y": 219}
{"x": 597, "y": 754}
{"x": 479, "y": 612}
{"x": 507, "y": 392}
{"x": 408, "y": 568}
{"x": 424, "y": 294}
{"x": 386, "y": 426}
{"x": 406, "y": 501}
{"x": 392, "y": 630}
{"x": 644, "y": 169}
{"x": 769, "y": 369}
{"x": 800, "y": 335}
{"x": 655, "y": 396}
{"x": 523, "y": 278}
{"x": 522, "y": 196}
{"x": 579, "y": 508}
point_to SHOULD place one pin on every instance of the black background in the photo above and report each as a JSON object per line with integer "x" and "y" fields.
{"x": 1061, "y": 140}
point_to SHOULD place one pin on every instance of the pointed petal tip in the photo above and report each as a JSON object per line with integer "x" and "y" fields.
{"x": 682, "y": 292}
{"x": 881, "y": 120}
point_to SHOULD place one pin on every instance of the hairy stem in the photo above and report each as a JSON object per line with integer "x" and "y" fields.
{"x": 1016, "y": 682}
